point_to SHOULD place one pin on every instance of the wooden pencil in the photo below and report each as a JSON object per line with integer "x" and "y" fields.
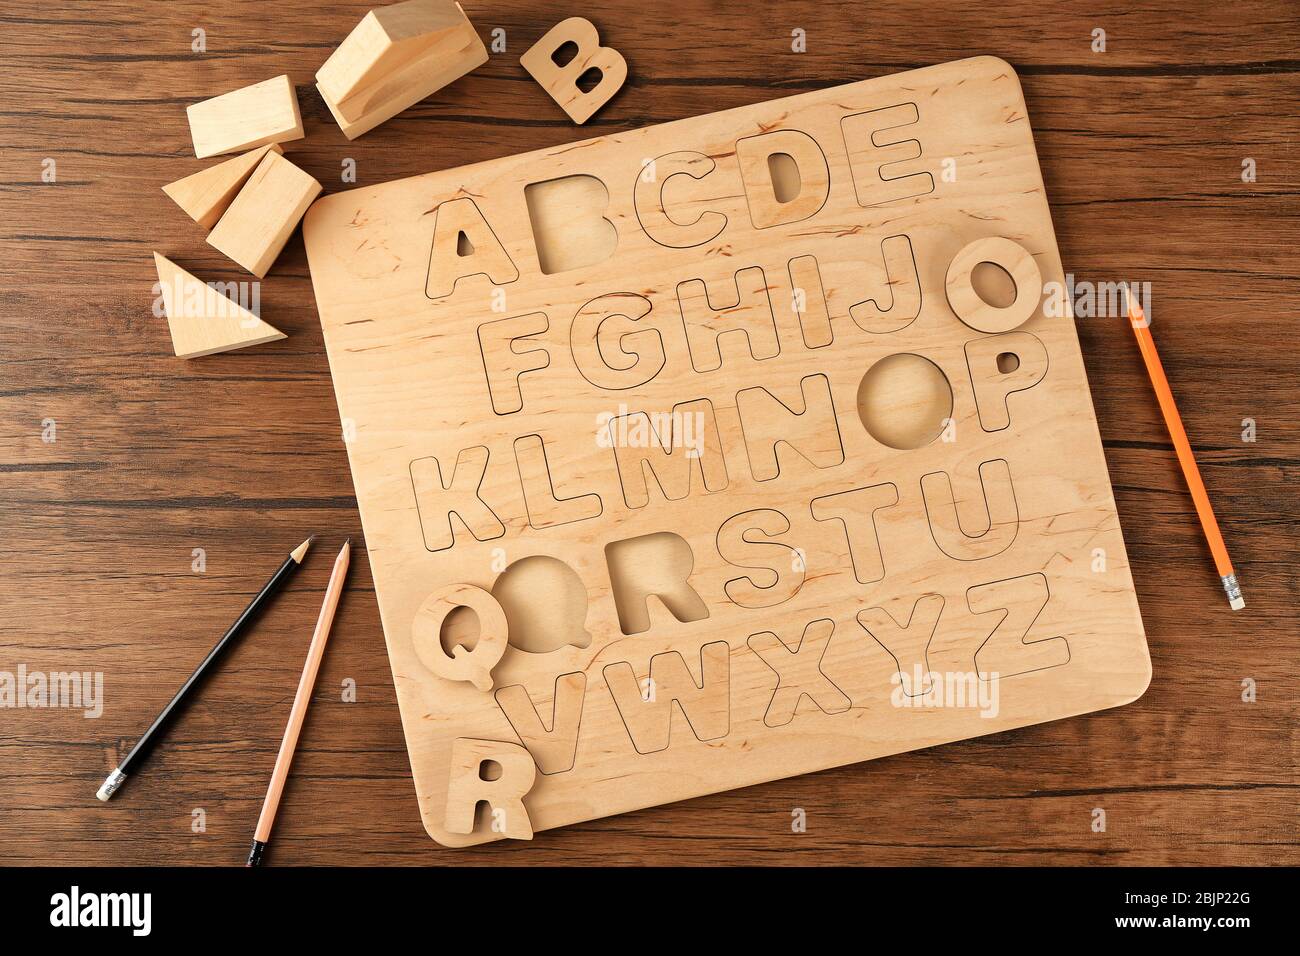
{"x": 1183, "y": 448}
{"x": 150, "y": 737}
{"x": 301, "y": 699}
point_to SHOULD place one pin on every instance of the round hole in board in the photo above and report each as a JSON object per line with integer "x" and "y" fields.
{"x": 904, "y": 401}
{"x": 1008, "y": 362}
{"x": 993, "y": 284}
{"x": 590, "y": 79}
{"x": 489, "y": 770}
{"x": 459, "y": 629}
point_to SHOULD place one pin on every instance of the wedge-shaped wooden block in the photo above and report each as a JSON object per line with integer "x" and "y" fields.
{"x": 396, "y": 57}
{"x": 206, "y": 195}
{"x": 264, "y": 214}
{"x": 265, "y": 112}
{"x": 201, "y": 319}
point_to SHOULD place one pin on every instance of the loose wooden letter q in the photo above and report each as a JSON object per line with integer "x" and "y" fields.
{"x": 474, "y": 665}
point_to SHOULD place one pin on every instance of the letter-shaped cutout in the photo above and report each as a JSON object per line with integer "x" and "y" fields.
{"x": 999, "y": 514}
{"x": 769, "y": 422}
{"x": 570, "y": 227}
{"x": 799, "y": 673}
{"x": 464, "y": 245}
{"x": 545, "y": 603}
{"x": 902, "y": 285}
{"x": 1000, "y": 365}
{"x": 908, "y": 644}
{"x": 611, "y": 349}
{"x": 878, "y": 145}
{"x": 646, "y": 705}
{"x": 749, "y": 316}
{"x": 437, "y": 499}
{"x": 468, "y": 785}
{"x": 461, "y": 664}
{"x": 770, "y": 166}
{"x": 811, "y": 306}
{"x": 741, "y": 544}
{"x": 1007, "y": 650}
{"x": 545, "y": 508}
{"x": 652, "y": 565}
{"x": 652, "y": 206}
{"x": 554, "y": 748}
{"x": 856, "y": 511}
{"x": 561, "y": 82}
{"x": 1018, "y": 263}
{"x": 671, "y": 461}
{"x": 504, "y": 362}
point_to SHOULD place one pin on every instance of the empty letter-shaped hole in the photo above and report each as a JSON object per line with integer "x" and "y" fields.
{"x": 545, "y": 604}
{"x": 569, "y": 225}
{"x": 904, "y": 401}
{"x": 657, "y": 565}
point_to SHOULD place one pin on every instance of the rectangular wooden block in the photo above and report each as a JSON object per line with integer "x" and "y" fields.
{"x": 740, "y": 473}
{"x": 265, "y": 112}
{"x": 264, "y": 214}
{"x": 389, "y": 63}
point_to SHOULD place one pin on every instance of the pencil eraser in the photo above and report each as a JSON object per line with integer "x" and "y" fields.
{"x": 110, "y": 785}
{"x": 1237, "y": 603}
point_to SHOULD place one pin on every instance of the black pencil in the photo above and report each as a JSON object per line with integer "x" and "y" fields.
{"x": 146, "y": 742}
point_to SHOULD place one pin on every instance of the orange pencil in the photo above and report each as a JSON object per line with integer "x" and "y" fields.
{"x": 300, "y": 702}
{"x": 1147, "y": 345}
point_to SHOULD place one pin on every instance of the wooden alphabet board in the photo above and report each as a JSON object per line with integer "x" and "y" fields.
{"x": 724, "y": 450}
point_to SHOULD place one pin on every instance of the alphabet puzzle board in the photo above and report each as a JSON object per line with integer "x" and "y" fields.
{"x": 742, "y": 460}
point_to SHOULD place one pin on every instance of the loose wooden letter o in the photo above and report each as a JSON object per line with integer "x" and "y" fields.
{"x": 474, "y": 665}
{"x": 1018, "y": 263}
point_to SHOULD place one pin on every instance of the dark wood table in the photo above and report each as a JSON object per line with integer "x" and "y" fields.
{"x": 1142, "y": 147}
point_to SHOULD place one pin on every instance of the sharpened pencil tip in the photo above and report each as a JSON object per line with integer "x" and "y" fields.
{"x": 300, "y": 552}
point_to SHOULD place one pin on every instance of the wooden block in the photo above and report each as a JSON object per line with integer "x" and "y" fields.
{"x": 799, "y": 498}
{"x": 561, "y": 82}
{"x": 264, "y": 214}
{"x": 201, "y": 319}
{"x": 384, "y": 40}
{"x": 265, "y": 112}
{"x": 396, "y": 57}
{"x": 205, "y": 195}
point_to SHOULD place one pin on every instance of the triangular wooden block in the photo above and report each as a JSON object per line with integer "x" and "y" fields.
{"x": 204, "y": 321}
{"x": 205, "y": 195}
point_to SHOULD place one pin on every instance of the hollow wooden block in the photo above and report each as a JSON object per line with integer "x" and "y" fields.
{"x": 265, "y": 112}
{"x": 208, "y": 193}
{"x": 202, "y": 320}
{"x": 264, "y": 214}
{"x": 395, "y": 57}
